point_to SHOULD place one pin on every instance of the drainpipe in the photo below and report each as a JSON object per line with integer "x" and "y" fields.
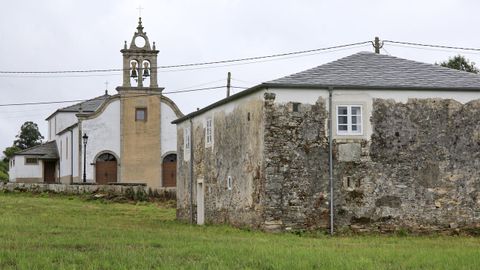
{"x": 330, "y": 155}
{"x": 191, "y": 171}
{"x": 71, "y": 156}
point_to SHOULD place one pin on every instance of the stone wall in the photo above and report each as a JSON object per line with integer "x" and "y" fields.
{"x": 117, "y": 190}
{"x": 420, "y": 171}
{"x": 236, "y": 152}
{"x": 296, "y": 165}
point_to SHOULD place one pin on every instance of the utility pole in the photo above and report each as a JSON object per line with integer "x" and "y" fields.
{"x": 377, "y": 45}
{"x": 229, "y": 78}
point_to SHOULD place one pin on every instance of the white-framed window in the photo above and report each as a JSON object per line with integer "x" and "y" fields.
{"x": 349, "y": 120}
{"x": 229, "y": 183}
{"x": 209, "y": 132}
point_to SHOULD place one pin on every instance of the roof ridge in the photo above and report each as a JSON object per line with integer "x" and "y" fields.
{"x": 33, "y": 147}
{"x": 87, "y": 100}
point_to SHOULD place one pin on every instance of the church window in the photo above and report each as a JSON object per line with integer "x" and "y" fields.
{"x": 349, "y": 120}
{"x": 141, "y": 114}
{"x": 31, "y": 161}
{"x": 209, "y": 132}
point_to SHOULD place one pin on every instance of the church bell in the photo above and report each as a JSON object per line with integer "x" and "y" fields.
{"x": 146, "y": 69}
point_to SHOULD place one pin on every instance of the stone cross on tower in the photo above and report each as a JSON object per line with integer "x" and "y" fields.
{"x": 139, "y": 11}
{"x": 139, "y": 61}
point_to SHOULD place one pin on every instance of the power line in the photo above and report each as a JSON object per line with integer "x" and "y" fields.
{"x": 432, "y": 45}
{"x": 191, "y": 64}
{"x": 129, "y": 96}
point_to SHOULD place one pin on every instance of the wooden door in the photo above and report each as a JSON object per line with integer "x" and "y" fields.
{"x": 106, "y": 169}
{"x": 49, "y": 172}
{"x": 169, "y": 171}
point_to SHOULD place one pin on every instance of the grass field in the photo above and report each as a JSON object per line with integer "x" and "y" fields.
{"x": 58, "y": 232}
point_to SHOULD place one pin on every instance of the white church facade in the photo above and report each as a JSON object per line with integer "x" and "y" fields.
{"x": 124, "y": 138}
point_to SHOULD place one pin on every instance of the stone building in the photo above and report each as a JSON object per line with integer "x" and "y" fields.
{"x": 130, "y": 138}
{"x": 405, "y": 150}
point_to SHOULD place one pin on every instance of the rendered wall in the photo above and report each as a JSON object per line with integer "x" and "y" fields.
{"x": 168, "y": 130}
{"x": 141, "y": 158}
{"x": 26, "y": 173}
{"x": 103, "y": 130}
{"x": 236, "y": 152}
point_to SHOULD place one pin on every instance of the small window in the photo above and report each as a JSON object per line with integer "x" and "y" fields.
{"x": 31, "y": 161}
{"x": 248, "y": 116}
{"x": 61, "y": 149}
{"x": 295, "y": 106}
{"x": 349, "y": 120}
{"x": 229, "y": 183}
{"x": 141, "y": 114}
{"x": 186, "y": 138}
{"x": 209, "y": 132}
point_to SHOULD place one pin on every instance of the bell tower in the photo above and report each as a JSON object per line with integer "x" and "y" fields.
{"x": 139, "y": 61}
{"x": 140, "y": 113}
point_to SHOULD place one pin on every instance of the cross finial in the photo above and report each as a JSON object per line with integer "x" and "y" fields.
{"x": 139, "y": 11}
{"x": 106, "y": 87}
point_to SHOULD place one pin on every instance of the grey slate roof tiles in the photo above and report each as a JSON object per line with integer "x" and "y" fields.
{"x": 46, "y": 150}
{"x": 376, "y": 71}
{"x": 90, "y": 105}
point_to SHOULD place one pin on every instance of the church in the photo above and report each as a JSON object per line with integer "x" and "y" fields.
{"x": 126, "y": 138}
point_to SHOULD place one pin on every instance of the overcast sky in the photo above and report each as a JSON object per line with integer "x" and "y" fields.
{"x": 69, "y": 35}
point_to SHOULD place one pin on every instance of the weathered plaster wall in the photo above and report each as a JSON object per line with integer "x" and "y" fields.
{"x": 296, "y": 165}
{"x": 235, "y": 152}
{"x": 420, "y": 171}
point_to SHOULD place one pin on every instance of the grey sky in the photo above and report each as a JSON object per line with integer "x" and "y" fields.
{"x": 67, "y": 34}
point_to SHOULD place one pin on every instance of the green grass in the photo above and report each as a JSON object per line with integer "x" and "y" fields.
{"x": 59, "y": 232}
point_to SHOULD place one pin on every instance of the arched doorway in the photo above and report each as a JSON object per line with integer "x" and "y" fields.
{"x": 106, "y": 169}
{"x": 169, "y": 170}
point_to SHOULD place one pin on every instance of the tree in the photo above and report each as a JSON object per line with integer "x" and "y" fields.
{"x": 3, "y": 171}
{"x": 461, "y": 63}
{"x": 9, "y": 151}
{"x": 29, "y": 136}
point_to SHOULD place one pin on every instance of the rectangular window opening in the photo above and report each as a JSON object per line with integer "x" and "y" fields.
{"x": 349, "y": 120}
{"x": 31, "y": 161}
{"x": 140, "y": 114}
{"x": 295, "y": 106}
{"x": 209, "y": 132}
{"x": 186, "y": 139}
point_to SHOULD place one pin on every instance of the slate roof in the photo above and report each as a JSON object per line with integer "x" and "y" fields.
{"x": 379, "y": 71}
{"x": 47, "y": 150}
{"x": 87, "y": 106}
{"x": 366, "y": 70}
